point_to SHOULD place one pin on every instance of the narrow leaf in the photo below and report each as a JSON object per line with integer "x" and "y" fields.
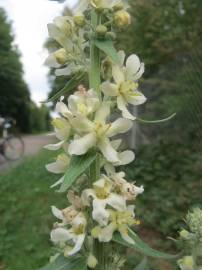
{"x": 142, "y": 265}
{"x": 156, "y": 121}
{"x": 71, "y": 84}
{"x": 107, "y": 47}
{"x": 77, "y": 167}
{"x": 62, "y": 263}
{"x": 142, "y": 247}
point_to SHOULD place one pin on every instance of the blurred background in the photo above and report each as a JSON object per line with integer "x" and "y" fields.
{"x": 167, "y": 35}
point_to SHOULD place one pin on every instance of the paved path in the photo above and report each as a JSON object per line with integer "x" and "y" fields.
{"x": 33, "y": 144}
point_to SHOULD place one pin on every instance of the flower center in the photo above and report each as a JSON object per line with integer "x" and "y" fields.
{"x": 127, "y": 88}
{"x": 82, "y": 108}
{"x": 79, "y": 229}
{"x": 101, "y": 129}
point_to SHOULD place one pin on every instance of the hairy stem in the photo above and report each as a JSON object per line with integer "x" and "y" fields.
{"x": 94, "y": 80}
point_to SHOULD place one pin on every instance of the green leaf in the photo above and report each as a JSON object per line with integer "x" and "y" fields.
{"x": 77, "y": 167}
{"x": 107, "y": 47}
{"x": 142, "y": 265}
{"x": 62, "y": 263}
{"x": 142, "y": 247}
{"x": 156, "y": 121}
{"x": 71, "y": 84}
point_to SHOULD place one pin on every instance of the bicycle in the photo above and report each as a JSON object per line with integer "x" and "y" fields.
{"x": 11, "y": 146}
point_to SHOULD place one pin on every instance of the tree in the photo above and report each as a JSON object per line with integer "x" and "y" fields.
{"x": 14, "y": 93}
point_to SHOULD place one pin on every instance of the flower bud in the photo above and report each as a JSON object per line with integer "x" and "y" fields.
{"x": 184, "y": 234}
{"x": 186, "y": 263}
{"x": 61, "y": 56}
{"x": 101, "y": 30}
{"x": 119, "y": 6}
{"x": 111, "y": 35}
{"x": 79, "y": 20}
{"x": 122, "y": 19}
{"x": 92, "y": 261}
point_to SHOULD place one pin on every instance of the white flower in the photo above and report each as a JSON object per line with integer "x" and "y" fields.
{"x": 125, "y": 157}
{"x": 119, "y": 221}
{"x": 75, "y": 234}
{"x": 92, "y": 261}
{"x": 186, "y": 263}
{"x": 97, "y": 133}
{"x": 83, "y": 102}
{"x": 125, "y": 86}
{"x": 60, "y": 165}
{"x": 66, "y": 215}
{"x": 102, "y": 196}
{"x": 128, "y": 190}
{"x": 104, "y": 3}
{"x": 62, "y": 128}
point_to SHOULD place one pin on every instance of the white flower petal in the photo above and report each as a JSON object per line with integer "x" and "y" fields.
{"x": 116, "y": 143}
{"x": 122, "y": 105}
{"x": 122, "y": 56}
{"x": 82, "y": 145}
{"x": 56, "y": 212}
{"x": 57, "y": 167}
{"x": 54, "y": 147}
{"x": 107, "y": 150}
{"x": 126, "y": 157}
{"x": 118, "y": 74}
{"x": 126, "y": 237}
{"x": 82, "y": 124}
{"x": 103, "y": 112}
{"x": 79, "y": 239}
{"x": 132, "y": 66}
{"x": 109, "y": 89}
{"x": 60, "y": 235}
{"x": 100, "y": 214}
{"x": 109, "y": 169}
{"x": 63, "y": 71}
{"x": 51, "y": 61}
{"x": 137, "y": 98}
{"x": 117, "y": 202}
{"x": 138, "y": 75}
{"x": 119, "y": 126}
{"x": 106, "y": 233}
{"x": 85, "y": 196}
{"x": 62, "y": 108}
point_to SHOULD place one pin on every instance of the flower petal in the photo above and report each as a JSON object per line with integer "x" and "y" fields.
{"x": 60, "y": 181}
{"x": 63, "y": 71}
{"x": 132, "y": 66}
{"x": 117, "y": 202}
{"x": 118, "y": 74}
{"x": 103, "y": 112}
{"x": 82, "y": 124}
{"x": 60, "y": 235}
{"x": 85, "y": 196}
{"x": 137, "y": 98}
{"x": 126, "y": 157}
{"x": 78, "y": 244}
{"x": 54, "y": 147}
{"x": 124, "y": 234}
{"x": 122, "y": 56}
{"x": 107, "y": 150}
{"x": 57, "y": 212}
{"x": 106, "y": 233}
{"x": 100, "y": 214}
{"x": 57, "y": 167}
{"x": 119, "y": 126}
{"x": 138, "y": 75}
{"x": 82, "y": 145}
{"x": 51, "y": 61}
{"x": 109, "y": 89}
{"x": 122, "y": 107}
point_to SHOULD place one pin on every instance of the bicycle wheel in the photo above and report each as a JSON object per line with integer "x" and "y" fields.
{"x": 13, "y": 148}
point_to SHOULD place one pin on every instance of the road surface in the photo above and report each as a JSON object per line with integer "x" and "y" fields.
{"x": 33, "y": 144}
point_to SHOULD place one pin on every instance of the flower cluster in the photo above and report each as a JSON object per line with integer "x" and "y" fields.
{"x": 104, "y": 205}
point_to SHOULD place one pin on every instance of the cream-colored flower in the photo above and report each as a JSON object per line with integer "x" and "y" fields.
{"x": 125, "y": 157}
{"x": 97, "y": 133}
{"x": 83, "y": 102}
{"x": 119, "y": 221}
{"x": 92, "y": 261}
{"x": 60, "y": 165}
{"x": 102, "y": 196}
{"x": 186, "y": 263}
{"x": 76, "y": 235}
{"x": 66, "y": 215}
{"x": 128, "y": 190}
{"x": 104, "y": 3}
{"x": 125, "y": 84}
{"x": 62, "y": 128}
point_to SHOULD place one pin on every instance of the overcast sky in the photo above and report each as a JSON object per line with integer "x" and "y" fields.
{"x": 30, "y": 19}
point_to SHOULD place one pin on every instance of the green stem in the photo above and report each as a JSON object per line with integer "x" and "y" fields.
{"x": 94, "y": 81}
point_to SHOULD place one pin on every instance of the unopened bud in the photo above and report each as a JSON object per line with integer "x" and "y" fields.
{"x": 79, "y": 20}
{"x": 122, "y": 19}
{"x": 111, "y": 35}
{"x": 101, "y": 30}
{"x": 119, "y": 6}
{"x": 186, "y": 263}
{"x": 61, "y": 56}
{"x": 92, "y": 261}
{"x": 184, "y": 234}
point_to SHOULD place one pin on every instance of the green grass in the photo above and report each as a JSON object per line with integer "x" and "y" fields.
{"x": 25, "y": 216}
